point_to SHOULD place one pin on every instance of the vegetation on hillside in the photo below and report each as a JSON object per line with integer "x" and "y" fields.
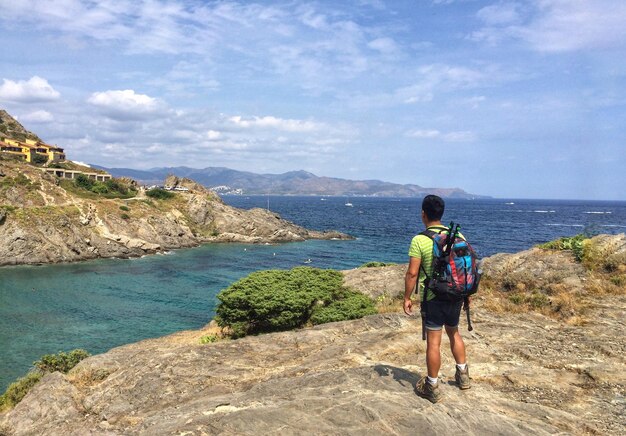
{"x": 159, "y": 194}
{"x": 20, "y": 180}
{"x": 275, "y": 300}
{"x": 375, "y": 264}
{"x": 519, "y": 289}
{"x": 574, "y": 243}
{"x": 83, "y": 186}
{"x": 62, "y": 362}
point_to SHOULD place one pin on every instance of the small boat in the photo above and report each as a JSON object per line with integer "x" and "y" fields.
{"x": 349, "y": 204}
{"x": 308, "y": 261}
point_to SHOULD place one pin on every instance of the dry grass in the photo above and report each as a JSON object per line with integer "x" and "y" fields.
{"x": 84, "y": 378}
{"x": 388, "y": 304}
{"x": 556, "y": 300}
{"x": 567, "y": 303}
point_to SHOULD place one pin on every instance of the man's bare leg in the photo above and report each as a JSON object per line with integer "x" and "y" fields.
{"x": 456, "y": 344}
{"x": 433, "y": 352}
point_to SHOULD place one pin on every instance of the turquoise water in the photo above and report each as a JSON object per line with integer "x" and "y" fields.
{"x": 101, "y": 304}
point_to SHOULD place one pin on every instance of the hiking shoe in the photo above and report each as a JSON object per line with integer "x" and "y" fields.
{"x": 462, "y": 378}
{"x": 431, "y": 392}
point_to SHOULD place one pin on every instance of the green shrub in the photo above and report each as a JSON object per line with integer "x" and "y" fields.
{"x": 115, "y": 186}
{"x": 352, "y": 305}
{"x": 375, "y": 264}
{"x": 159, "y": 194}
{"x": 99, "y": 188}
{"x": 82, "y": 181}
{"x": 108, "y": 189}
{"x": 61, "y": 362}
{"x": 277, "y": 300}
{"x": 48, "y": 363}
{"x": 574, "y": 243}
{"x": 125, "y": 208}
{"x": 39, "y": 159}
{"x": 209, "y": 339}
{"x": 18, "y": 389}
{"x": 535, "y": 299}
{"x": 125, "y": 216}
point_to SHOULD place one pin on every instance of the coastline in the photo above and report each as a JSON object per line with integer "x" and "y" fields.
{"x": 530, "y": 365}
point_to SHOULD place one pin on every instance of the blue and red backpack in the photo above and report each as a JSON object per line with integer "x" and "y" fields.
{"x": 455, "y": 273}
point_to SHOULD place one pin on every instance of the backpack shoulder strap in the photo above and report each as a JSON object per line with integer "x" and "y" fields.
{"x": 429, "y": 233}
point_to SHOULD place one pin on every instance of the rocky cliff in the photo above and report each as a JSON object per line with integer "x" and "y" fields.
{"x": 42, "y": 220}
{"x": 536, "y": 370}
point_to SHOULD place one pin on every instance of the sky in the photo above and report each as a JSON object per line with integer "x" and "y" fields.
{"x": 511, "y": 98}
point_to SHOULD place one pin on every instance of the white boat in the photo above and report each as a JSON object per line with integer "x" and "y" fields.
{"x": 349, "y": 204}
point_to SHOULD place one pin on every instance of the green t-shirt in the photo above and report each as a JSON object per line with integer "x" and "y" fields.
{"x": 422, "y": 248}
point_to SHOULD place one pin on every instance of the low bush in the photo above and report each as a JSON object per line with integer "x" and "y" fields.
{"x": 351, "y": 305}
{"x": 574, "y": 243}
{"x": 277, "y": 300}
{"x": 209, "y": 339}
{"x": 61, "y": 362}
{"x": 375, "y": 264}
{"x": 159, "y": 194}
{"x": 82, "y": 181}
{"x": 39, "y": 159}
{"x": 18, "y": 389}
{"x": 86, "y": 187}
{"x": 125, "y": 208}
{"x": 48, "y": 363}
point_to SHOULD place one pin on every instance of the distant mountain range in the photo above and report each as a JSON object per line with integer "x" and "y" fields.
{"x": 228, "y": 181}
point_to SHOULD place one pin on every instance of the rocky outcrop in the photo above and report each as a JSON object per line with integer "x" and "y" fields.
{"x": 41, "y": 222}
{"x": 531, "y": 374}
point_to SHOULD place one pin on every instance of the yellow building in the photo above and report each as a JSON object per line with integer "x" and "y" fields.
{"x": 30, "y": 148}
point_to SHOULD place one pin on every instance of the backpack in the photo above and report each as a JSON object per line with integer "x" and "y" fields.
{"x": 455, "y": 266}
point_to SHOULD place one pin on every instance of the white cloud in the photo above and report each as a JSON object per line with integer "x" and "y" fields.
{"x": 557, "y": 25}
{"x": 433, "y": 79}
{"x": 192, "y": 137}
{"x": 424, "y": 133}
{"x": 213, "y": 135}
{"x": 499, "y": 13}
{"x": 383, "y": 45}
{"x": 126, "y": 104}
{"x": 34, "y": 90}
{"x": 270, "y": 122}
{"x": 311, "y": 45}
{"x": 459, "y": 136}
{"x": 39, "y": 116}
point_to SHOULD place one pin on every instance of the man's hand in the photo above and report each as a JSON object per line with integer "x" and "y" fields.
{"x": 408, "y": 306}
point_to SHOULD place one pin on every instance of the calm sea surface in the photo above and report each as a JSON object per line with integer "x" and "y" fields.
{"x": 101, "y": 304}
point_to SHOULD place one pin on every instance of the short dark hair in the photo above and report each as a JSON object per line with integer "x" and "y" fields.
{"x": 433, "y": 206}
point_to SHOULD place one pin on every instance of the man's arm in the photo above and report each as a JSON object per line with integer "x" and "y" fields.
{"x": 410, "y": 280}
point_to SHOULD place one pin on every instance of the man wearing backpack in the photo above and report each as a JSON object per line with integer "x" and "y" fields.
{"x": 437, "y": 313}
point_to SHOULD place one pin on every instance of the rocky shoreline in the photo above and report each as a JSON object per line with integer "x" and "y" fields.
{"x": 40, "y": 222}
{"x": 534, "y": 370}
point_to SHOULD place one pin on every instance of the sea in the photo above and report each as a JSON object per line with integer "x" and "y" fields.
{"x": 97, "y": 305}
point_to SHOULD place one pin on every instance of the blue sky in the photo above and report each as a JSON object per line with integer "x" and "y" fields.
{"x": 519, "y": 99}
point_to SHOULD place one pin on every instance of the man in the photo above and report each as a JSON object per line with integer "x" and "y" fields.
{"x": 438, "y": 313}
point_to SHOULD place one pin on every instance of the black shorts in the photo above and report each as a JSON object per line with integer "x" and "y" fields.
{"x": 440, "y": 313}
